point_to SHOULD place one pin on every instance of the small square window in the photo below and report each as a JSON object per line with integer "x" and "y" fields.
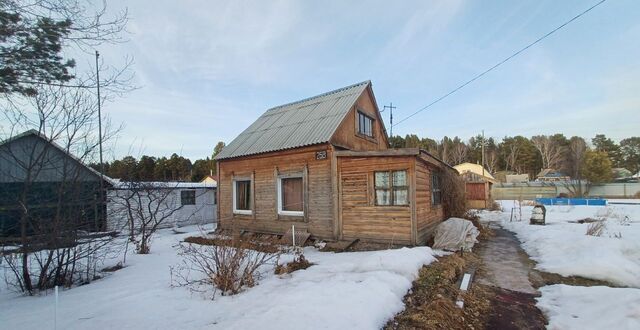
{"x": 188, "y": 197}
{"x": 391, "y": 188}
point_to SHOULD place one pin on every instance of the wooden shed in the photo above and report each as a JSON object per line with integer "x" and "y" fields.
{"x": 324, "y": 165}
{"x": 478, "y": 183}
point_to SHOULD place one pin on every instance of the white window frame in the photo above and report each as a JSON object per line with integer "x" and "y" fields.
{"x": 235, "y": 185}
{"x": 280, "y": 210}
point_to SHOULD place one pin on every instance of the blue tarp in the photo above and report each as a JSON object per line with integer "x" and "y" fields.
{"x": 572, "y": 201}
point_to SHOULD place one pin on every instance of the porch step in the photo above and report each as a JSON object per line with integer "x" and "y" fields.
{"x": 339, "y": 246}
{"x": 301, "y": 237}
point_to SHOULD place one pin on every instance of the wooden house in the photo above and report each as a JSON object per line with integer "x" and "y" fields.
{"x": 324, "y": 165}
{"x": 478, "y": 182}
{"x": 44, "y": 187}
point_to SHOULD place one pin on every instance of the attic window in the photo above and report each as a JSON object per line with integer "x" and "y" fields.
{"x": 365, "y": 124}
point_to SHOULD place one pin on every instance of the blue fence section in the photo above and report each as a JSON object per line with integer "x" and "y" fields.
{"x": 572, "y": 201}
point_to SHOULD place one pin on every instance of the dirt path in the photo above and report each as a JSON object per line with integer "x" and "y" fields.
{"x": 506, "y": 269}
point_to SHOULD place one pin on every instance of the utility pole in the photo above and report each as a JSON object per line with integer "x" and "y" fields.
{"x": 102, "y": 199}
{"x": 486, "y": 195}
{"x": 390, "y": 107}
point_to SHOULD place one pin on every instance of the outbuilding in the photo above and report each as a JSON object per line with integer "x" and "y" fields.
{"x": 324, "y": 165}
{"x": 478, "y": 183}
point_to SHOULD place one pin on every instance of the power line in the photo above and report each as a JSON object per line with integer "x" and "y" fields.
{"x": 500, "y": 63}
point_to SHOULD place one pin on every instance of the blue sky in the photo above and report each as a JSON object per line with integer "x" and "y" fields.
{"x": 207, "y": 69}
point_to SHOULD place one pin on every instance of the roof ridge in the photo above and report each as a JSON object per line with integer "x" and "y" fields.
{"x": 321, "y": 95}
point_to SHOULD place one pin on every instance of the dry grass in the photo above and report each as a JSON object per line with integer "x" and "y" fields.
{"x": 298, "y": 263}
{"x": 431, "y": 303}
{"x": 596, "y": 228}
{"x": 265, "y": 245}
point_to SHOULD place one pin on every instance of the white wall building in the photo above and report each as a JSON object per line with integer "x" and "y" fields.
{"x": 172, "y": 204}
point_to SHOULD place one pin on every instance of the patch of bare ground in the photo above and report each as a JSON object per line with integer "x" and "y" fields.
{"x": 431, "y": 303}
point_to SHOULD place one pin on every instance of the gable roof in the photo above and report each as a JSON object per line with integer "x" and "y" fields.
{"x": 476, "y": 169}
{"x": 41, "y": 136}
{"x": 302, "y": 123}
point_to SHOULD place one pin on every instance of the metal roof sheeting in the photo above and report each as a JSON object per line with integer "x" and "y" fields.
{"x": 302, "y": 123}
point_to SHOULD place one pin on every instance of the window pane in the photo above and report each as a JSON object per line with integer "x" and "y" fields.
{"x": 382, "y": 197}
{"x": 382, "y": 180}
{"x": 188, "y": 197}
{"x": 400, "y": 197}
{"x": 400, "y": 178}
{"x": 292, "y": 194}
{"x": 243, "y": 195}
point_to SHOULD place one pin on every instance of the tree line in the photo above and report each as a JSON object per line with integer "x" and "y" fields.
{"x": 522, "y": 155}
{"x": 150, "y": 168}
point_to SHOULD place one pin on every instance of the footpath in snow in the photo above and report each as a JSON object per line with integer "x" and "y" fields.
{"x": 359, "y": 290}
{"x": 562, "y": 247}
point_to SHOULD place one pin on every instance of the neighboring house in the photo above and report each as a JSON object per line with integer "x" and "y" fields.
{"x": 517, "y": 178}
{"x": 550, "y": 175}
{"x": 173, "y": 204}
{"x": 478, "y": 182}
{"x": 324, "y": 165}
{"x": 42, "y": 183}
{"x": 209, "y": 179}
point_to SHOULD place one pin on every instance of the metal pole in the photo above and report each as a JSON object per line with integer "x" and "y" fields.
{"x": 100, "y": 136}
{"x": 55, "y": 315}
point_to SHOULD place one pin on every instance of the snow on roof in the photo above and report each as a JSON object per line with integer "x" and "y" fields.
{"x": 118, "y": 184}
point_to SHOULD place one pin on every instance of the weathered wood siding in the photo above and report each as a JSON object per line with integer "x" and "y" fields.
{"x": 346, "y": 135}
{"x": 264, "y": 169}
{"x": 428, "y": 216}
{"x": 360, "y": 217}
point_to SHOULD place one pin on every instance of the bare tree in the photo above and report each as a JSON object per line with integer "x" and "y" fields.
{"x": 491, "y": 161}
{"x": 149, "y": 206}
{"x": 511, "y": 157}
{"x": 458, "y": 153}
{"x": 552, "y": 153}
{"x": 577, "y": 150}
{"x": 50, "y": 196}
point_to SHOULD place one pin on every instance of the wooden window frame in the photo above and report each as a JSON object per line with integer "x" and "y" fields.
{"x": 279, "y": 194}
{"x": 436, "y": 175}
{"x": 358, "y": 131}
{"x": 391, "y": 188}
{"x": 234, "y": 201}
{"x": 182, "y": 198}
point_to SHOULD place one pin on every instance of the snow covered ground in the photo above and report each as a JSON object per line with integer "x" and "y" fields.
{"x": 562, "y": 247}
{"x": 597, "y": 307}
{"x": 359, "y": 290}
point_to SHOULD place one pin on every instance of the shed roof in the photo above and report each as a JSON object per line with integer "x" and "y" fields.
{"x": 476, "y": 169}
{"x": 302, "y": 123}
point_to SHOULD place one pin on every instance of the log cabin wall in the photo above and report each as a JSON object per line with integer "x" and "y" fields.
{"x": 428, "y": 216}
{"x": 360, "y": 217}
{"x": 263, "y": 170}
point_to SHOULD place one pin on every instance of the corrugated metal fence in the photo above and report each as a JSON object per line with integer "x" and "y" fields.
{"x": 534, "y": 190}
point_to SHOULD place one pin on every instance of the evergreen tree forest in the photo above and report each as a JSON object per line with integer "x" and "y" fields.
{"x": 516, "y": 154}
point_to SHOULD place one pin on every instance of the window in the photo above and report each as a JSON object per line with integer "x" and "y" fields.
{"x": 436, "y": 193}
{"x": 188, "y": 197}
{"x": 242, "y": 197}
{"x": 365, "y": 124}
{"x": 290, "y": 196}
{"x": 391, "y": 188}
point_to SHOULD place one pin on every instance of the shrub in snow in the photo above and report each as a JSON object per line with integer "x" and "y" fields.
{"x": 298, "y": 263}
{"x": 596, "y": 228}
{"x": 229, "y": 266}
